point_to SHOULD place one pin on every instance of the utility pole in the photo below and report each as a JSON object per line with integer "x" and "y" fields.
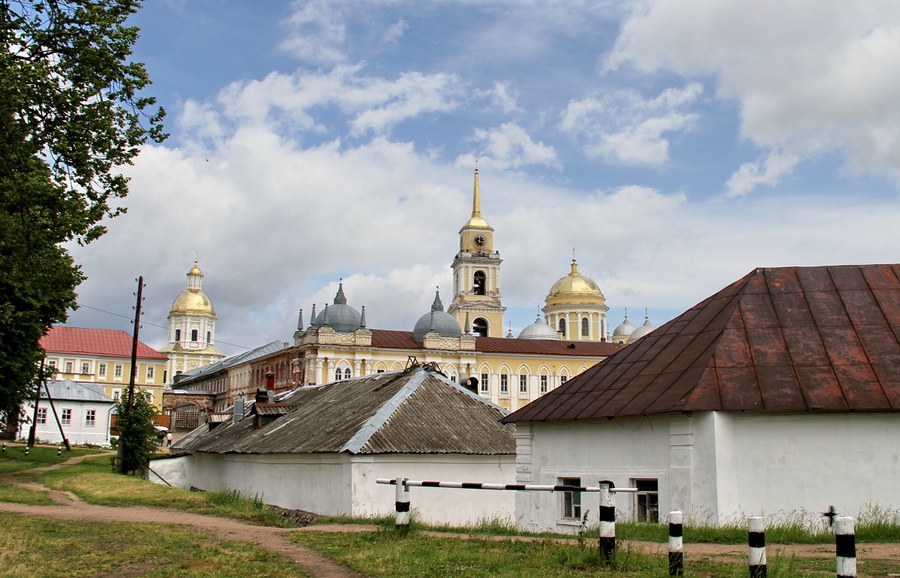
{"x": 121, "y": 452}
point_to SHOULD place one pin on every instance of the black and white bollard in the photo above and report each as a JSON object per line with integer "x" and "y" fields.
{"x": 676, "y": 544}
{"x": 4, "y": 446}
{"x": 757, "y": 537}
{"x": 58, "y": 450}
{"x": 26, "y": 450}
{"x": 607, "y": 522}
{"x": 401, "y": 520}
{"x": 845, "y": 546}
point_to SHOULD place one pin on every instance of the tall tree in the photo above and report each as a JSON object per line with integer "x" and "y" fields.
{"x": 71, "y": 115}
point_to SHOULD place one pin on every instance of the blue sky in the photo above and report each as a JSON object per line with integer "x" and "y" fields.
{"x": 674, "y": 145}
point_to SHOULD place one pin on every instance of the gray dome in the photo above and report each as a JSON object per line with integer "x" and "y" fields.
{"x": 624, "y": 330}
{"x": 436, "y": 321}
{"x": 641, "y": 331}
{"x": 539, "y": 330}
{"x": 340, "y": 316}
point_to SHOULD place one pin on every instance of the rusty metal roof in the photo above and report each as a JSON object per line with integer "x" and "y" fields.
{"x": 393, "y": 339}
{"x": 779, "y": 339}
{"x": 414, "y": 411}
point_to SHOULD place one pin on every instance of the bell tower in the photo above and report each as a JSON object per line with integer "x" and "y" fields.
{"x": 476, "y": 276}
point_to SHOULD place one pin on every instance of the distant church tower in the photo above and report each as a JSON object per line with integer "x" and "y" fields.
{"x": 192, "y": 329}
{"x": 476, "y": 276}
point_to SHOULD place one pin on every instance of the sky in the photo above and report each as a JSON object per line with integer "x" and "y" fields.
{"x": 673, "y": 145}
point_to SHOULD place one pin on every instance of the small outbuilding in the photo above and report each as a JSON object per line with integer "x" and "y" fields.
{"x": 779, "y": 395}
{"x": 321, "y": 448}
{"x": 81, "y": 410}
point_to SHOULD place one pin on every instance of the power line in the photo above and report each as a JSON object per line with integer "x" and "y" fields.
{"x": 166, "y": 327}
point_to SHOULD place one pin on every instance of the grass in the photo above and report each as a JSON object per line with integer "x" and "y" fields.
{"x": 63, "y": 548}
{"x": 14, "y": 458}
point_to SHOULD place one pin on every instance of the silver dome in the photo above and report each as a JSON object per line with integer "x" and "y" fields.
{"x": 539, "y": 330}
{"x": 624, "y": 330}
{"x": 436, "y": 321}
{"x": 641, "y": 331}
{"x": 340, "y": 316}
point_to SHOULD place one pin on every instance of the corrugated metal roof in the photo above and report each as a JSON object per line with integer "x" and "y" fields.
{"x": 66, "y": 389}
{"x": 392, "y": 339}
{"x": 779, "y": 339}
{"x": 100, "y": 342}
{"x": 244, "y": 357}
{"x": 413, "y": 411}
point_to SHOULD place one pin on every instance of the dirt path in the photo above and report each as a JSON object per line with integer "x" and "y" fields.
{"x": 68, "y": 507}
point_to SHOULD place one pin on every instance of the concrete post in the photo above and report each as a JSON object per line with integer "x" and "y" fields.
{"x": 757, "y": 539}
{"x": 845, "y": 546}
{"x": 607, "y": 522}
{"x": 676, "y": 545}
{"x": 401, "y": 504}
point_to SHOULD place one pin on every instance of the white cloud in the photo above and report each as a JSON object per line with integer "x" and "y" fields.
{"x": 509, "y": 146}
{"x": 810, "y": 77}
{"x": 503, "y": 99}
{"x": 623, "y": 127}
{"x": 317, "y": 32}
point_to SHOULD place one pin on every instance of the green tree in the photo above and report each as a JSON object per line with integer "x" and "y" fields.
{"x": 71, "y": 115}
{"x": 137, "y": 433}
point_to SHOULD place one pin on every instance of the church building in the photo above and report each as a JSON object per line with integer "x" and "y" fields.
{"x": 192, "y": 329}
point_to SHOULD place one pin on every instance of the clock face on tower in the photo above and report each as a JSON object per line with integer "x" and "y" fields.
{"x": 478, "y": 241}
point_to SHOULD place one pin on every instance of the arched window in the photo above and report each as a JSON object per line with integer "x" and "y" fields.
{"x": 479, "y": 283}
{"x": 337, "y": 374}
{"x": 562, "y": 328}
{"x": 480, "y": 327}
{"x": 347, "y": 373}
{"x": 584, "y": 327}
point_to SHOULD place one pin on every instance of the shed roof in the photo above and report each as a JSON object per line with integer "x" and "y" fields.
{"x": 416, "y": 411}
{"x": 779, "y": 339}
{"x": 100, "y": 342}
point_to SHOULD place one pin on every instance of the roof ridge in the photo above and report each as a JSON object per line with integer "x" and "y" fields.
{"x": 384, "y": 413}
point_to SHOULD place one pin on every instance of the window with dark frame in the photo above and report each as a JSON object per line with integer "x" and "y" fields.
{"x": 571, "y": 501}
{"x": 646, "y": 500}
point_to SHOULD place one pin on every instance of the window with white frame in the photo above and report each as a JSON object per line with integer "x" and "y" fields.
{"x": 646, "y": 506}
{"x": 347, "y": 373}
{"x": 338, "y": 374}
{"x": 116, "y": 394}
{"x": 117, "y": 371}
{"x": 544, "y": 381}
{"x": 66, "y": 416}
{"x": 42, "y": 415}
{"x": 85, "y": 368}
{"x": 150, "y": 373}
{"x": 523, "y": 384}
{"x": 90, "y": 418}
{"x": 148, "y": 395}
{"x": 563, "y": 379}
{"x": 51, "y": 365}
{"x": 485, "y": 386}
{"x": 570, "y": 507}
{"x": 69, "y": 368}
{"x": 504, "y": 384}
{"x": 585, "y": 327}
{"x": 101, "y": 370}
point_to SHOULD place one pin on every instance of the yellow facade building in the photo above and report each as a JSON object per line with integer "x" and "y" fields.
{"x": 466, "y": 342}
{"x": 103, "y": 356}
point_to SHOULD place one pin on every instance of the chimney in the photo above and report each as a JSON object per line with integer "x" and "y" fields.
{"x": 238, "y": 408}
{"x": 270, "y": 386}
{"x": 261, "y": 396}
{"x": 471, "y": 384}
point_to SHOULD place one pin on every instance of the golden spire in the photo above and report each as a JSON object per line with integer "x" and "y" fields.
{"x": 477, "y": 220}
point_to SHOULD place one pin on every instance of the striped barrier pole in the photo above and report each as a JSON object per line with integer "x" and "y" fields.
{"x": 401, "y": 505}
{"x": 845, "y": 546}
{"x": 491, "y": 486}
{"x": 607, "y": 522}
{"x": 676, "y": 544}
{"x": 757, "y": 538}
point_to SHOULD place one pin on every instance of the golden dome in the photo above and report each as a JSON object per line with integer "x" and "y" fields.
{"x": 192, "y": 302}
{"x": 574, "y": 285}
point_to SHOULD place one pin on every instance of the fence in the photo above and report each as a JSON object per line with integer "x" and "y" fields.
{"x": 845, "y": 540}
